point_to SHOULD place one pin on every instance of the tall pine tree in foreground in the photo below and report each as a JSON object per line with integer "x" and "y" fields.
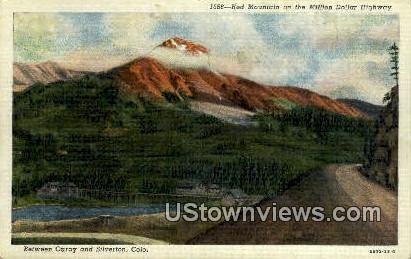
{"x": 393, "y": 51}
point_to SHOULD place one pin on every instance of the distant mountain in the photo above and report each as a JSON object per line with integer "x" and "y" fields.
{"x": 369, "y": 109}
{"x": 25, "y": 75}
{"x": 178, "y": 69}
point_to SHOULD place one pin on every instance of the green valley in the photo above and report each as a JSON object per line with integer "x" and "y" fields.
{"x": 88, "y": 132}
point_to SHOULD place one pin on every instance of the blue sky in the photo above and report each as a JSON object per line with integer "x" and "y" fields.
{"x": 336, "y": 55}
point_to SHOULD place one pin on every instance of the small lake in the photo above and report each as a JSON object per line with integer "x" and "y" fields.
{"x": 56, "y": 212}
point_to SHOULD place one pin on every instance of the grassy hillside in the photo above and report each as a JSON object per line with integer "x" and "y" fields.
{"x": 86, "y": 132}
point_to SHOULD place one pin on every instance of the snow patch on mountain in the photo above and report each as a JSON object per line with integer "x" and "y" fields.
{"x": 234, "y": 115}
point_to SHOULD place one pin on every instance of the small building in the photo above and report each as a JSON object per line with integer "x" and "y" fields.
{"x": 213, "y": 190}
{"x": 190, "y": 188}
{"x": 58, "y": 190}
{"x": 234, "y": 197}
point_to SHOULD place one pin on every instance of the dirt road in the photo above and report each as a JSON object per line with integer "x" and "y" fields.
{"x": 335, "y": 185}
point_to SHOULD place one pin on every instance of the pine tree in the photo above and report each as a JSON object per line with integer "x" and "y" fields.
{"x": 393, "y": 51}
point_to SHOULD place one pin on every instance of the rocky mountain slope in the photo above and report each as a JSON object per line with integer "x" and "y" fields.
{"x": 160, "y": 77}
{"x": 25, "y": 75}
{"x": 382, "y": 151}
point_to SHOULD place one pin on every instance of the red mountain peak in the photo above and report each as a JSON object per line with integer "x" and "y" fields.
{"x": 185, "y": 45}
{"x": 149, "y": 77}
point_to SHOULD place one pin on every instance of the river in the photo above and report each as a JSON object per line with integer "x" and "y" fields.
{"x": 57, "y": 212}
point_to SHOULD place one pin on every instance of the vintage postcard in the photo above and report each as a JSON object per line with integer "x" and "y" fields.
{"x": 244, "y": 129}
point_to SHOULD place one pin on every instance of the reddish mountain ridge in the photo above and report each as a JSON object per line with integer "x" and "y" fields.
{"x": 149, "y": 78}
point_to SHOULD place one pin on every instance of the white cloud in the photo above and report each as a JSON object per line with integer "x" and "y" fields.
{"x": 322, "y": 31}
{"x": 333, "y": 31}
{"x": 350, "y": 78}
{"x": 387, "y": 31}
{"x": 37, "y": 36}
{"x": 174, "y": 58}
{"x": 91, "y": 59}
{"x": 129, "y": 31}
{"x": 268, "y": 69}
{"x": 236, "y": 47}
